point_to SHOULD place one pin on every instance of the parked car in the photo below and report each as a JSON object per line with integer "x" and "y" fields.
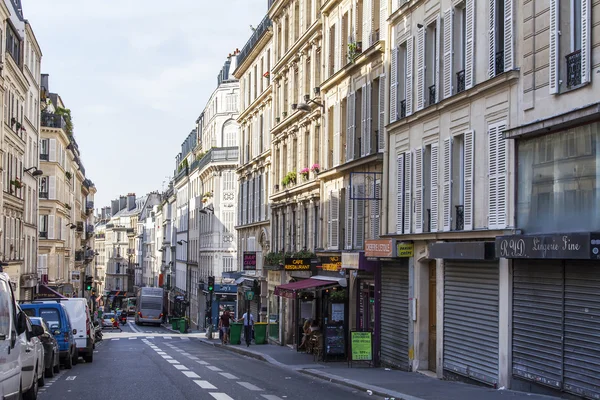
{"x": 57, "y": 318}
{"x": 18, "y": 372}
{"x": 33, "y": 361}
{"x": 51, "y": 351}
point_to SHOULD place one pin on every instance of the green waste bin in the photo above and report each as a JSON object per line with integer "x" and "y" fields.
{"x": 235, "y": 332}
{"x": 183, "y": 325}
{"x": 260, "y": 332}
{"x": 175, "y": 323}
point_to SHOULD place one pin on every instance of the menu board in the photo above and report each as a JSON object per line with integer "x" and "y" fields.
{"x": 362, "y": 347}
{"x": 335, "y": 340}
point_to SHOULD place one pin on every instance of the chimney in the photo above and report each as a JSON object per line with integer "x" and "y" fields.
{"x": 114, "y": 207}
{"x": 130, "y": 201}
{"x": 233, "y": 64}
{"x": 46, "y": 83}
{"x": 122, "y": 202}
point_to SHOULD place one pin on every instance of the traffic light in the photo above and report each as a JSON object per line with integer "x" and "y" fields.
{"x": 211, "y": 283}
{"x": 89, "y": 281}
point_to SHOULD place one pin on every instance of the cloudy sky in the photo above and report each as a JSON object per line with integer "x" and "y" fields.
{"x": 136, "y": 74}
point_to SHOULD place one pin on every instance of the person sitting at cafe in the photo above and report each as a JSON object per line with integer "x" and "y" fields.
{"x": 306, "y": 333}
{"x": 314, "y": 327}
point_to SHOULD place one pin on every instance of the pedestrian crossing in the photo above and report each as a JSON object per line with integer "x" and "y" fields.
{"x": 151, "y": 337}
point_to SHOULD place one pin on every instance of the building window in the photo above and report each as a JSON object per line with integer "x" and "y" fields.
{"x": 13, "y": 45}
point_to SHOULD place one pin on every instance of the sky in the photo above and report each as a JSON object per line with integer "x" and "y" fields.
{"x": 136, "y": 75}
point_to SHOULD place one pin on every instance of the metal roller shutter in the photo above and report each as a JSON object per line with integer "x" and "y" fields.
{"x": 537, "y": 321}
{"x": 394, "y": 316}
{"x": 471, "y": 320}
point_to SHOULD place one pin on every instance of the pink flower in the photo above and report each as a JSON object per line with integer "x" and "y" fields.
{"x": 315, "y": 167}
{"x": 304, "y": 171}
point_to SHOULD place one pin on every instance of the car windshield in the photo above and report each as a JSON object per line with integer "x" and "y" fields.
{"x": 51, "y": 316}
{"x": 109, "y": 316}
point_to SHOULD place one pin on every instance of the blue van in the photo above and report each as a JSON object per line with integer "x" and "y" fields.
{"x": 57, "y": 318}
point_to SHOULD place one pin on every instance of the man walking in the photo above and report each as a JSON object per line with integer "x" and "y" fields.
{"x": 248, "y": 319}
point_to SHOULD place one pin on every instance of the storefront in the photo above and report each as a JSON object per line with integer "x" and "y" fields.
{"x": 556, "y": 311}
{"x": 470, "y": 309}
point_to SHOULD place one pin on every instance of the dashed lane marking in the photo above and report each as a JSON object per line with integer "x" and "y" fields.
{"x": 132, "y": 338}
{"x": 213, "y": 368}
{"x": 149, "y": 337}
{"x": 114, "y": 339}
{"x": 185, "y": 353}
{"x": 190, "y": 374}
{"x": 192, "y": 357}
{"x": 202, "y": 362}
{"x": 228, "y": 375}
{"x": 167, "y": 337}
{"x": 271, "y": 397}
{"x": 185, "y": 338}
{"x": 162, "y": 353}
{"x": 221, "y": 396}
{"x": 250, "y": 386}
{"x": 173, "y": 361}
{"x": 205, "y": 384}
{"x": 167, "y": 357}
{"x": 181, "y": 367}
{"x": 71, "y": 378}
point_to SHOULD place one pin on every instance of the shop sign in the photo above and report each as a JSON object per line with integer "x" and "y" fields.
{"x": 574, "y": 246}
{"x": 383, "y": 248}
{"x": 350, "y": 260}
{"x": 249, "y": 261}
{"x": 405, "y": 249}
{"x": 225, "y": 288}
{"x": 332, "y": 263}
{"x": 297, "y": 264}
{"x": 362, "y": 346}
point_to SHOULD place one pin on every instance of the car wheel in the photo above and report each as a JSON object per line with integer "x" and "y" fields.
{"x": 50, "y": 370}
{"x": 41, "y": 380}
{"x": 32, "y": 393}
{"x": 75, "y": 357}
{"x": 89, "y": 357}
{"x": 68, "y": 362}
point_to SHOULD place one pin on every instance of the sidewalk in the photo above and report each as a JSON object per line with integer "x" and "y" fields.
{"x": 380, "y": 381}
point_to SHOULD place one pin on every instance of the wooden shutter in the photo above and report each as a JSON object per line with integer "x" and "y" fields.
{"x": 358, "y": 21}
{"x": 342, "y": 50}
{"x": 52, "y": 188}
{"x": 407, "y": 191}
{"x": 336, "y": 135}
{"x": 363, "y": 117}
{"x": 508, "y": 35}
{"x": 331, "y": 55}
{"x": 394, "y": 86}
{"x": 469, "y": 44}
{"x": 497, "y": 156}
{"x": 383, "y": 14}
{"x": 359, "y": 228}
{"x": 366, "y": 24}
{"x": 251, "y": 201}
{"x": 433, "y": 225}
{"x": 420, "y": 68}
{"x": 257, "y": 198}
{"x": 502, "y": 212}
{"x": 351, "y": 129}
{"x": 399, "y": 193}
{"x": 554, "y": 46}
{"x": 447, "y": 190}
{"x": 265, "y": 212}
{"x": 381, "y": 122}
{"x": 585, "y": 40}
{"x": 51, "y": 226}
{"x": 368, "y": 139}
{"x": 492, "y": 38}
{"x": 448, "y": 52}
{"x": 349, "y": 219}
{"x": 375, "y": 211}
{"x": 409, "y": 77}
{"x": 335, "y": 219}
{"x": 419, "y": 190}
{"x": 438, "y": 27}
{"x": 52, "y": 152}
{"x": 469, "y": 155}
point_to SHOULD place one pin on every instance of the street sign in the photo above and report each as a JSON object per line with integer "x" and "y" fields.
{"x": 250, "y": 295}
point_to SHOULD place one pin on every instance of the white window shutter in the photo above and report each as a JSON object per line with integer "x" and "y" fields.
{"x": 508, "y": 35}
{"x": 359, "y": 228}
{"x": 585, "y": 40}
{"x": 381, "y": 121}
{"x": 368, "y": 135}
{"x": 554, "y": 46}
{"x": 468, "y": 160}
{"x": 438, "y": 28}
{"x": 448, "y": 52}
{"x": 419, "y": 190}
{"x": 469, "y": 43}
{"x": 335, "y": 219}
{"x": 433, "y": 224}
{"x": 351, "y": 129}
{"x": 52, "y": 188}
{"x": 420, "y": 68}
{"x": 51, "y": 226}
{"x": 447, "y": 190}
{"x": 363, "y": 117}
{"x": 383, "y": 14}
{"x": 329, "y": 214}
{"x": 250, "y": 201}
{"x": 407, "y": 192}
{"x": 366, "y": 23}
{"x": 375, "y": 211}
{"x": 492, "y": 38}
{"x": 394, "y": 86}
{"x": 502, "y": 158}
{"x": 493, "y": 177}
{"x": 52, "y": 151}
{"x": 349, "y": 219}
{"x": 409, "y": 77}
{"x": 341, "y": 53}
{"x": 399, "y": 193}
{"x": 336, "y": 135}
{"x": 257, "y": 198}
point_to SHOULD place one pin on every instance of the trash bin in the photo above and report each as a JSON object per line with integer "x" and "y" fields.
{"x": 175, "y": 323}
{"x": 183, "y": 325}
{"x": 260, "y": 333}
{"x": 235, "y": 332}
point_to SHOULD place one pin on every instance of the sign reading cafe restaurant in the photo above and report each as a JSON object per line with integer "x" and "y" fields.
{"x": 297, "y": 264}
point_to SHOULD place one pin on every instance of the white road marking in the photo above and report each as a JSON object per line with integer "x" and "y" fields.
{"x": 205, "y": 384}
{"x": 162, "y": 353}
{"x": 114, "y": 339}
{"x": 213, "y": 368}
{"x": 180, "y": 367}
{"x": 190, "y": 374}
{"x": 167, "y": 337}
{"x": 71, "y": 378}
{"x": 221, "y": 396}
{"x": 192, "y": 357}
{"x": 249, "y": 386}
{"x": 271, "y": 397}
{"x": 167, "y": 357}
{"x": 179, "y": 351}
{"x": 202, "y": 362}
{"x": 149, "y": 337}
{"x": 228, "y": 375}
{"x": 185, "y": 354}
{"x": 132, "y": 338}
{"x": 173, "y": 361}
{"x": 185, "y": 338}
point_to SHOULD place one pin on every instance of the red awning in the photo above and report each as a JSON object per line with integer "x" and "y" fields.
{"x": 47, "y": 292}
{"x": 289, "y": 290}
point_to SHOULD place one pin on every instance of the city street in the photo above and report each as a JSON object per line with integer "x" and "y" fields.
{"x": 163, "y": 365}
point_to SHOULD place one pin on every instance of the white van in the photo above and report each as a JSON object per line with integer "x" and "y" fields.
{"x": 82, "y": 326}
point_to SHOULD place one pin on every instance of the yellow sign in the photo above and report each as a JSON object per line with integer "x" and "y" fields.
{"x": 362, "y": 349}
{"x": 297, "y": 264}
{"x": 405, "y": 249}
{"x": 331, "y": 263}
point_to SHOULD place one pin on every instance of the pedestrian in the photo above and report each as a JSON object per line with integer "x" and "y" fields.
{"x": 115, "y": 322}
{"x": 224, "y": 326}
{"x": 248, "y": 319}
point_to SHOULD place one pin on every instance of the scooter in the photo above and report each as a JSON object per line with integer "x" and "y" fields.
{"x": 123, "y": 318}
{"x": 97, "y": 332}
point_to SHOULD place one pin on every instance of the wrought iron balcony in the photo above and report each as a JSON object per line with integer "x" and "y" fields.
{"x": 53, "y": 121}
{"x": 374, "y": 37}
{"x": 499, "y": 62}
{"x": 427, "y": 227}
{"x": 44, "y": 157}
{"x": 43, "y": 195}
{"x": 79, "y": 255}
{"x": 574, "y": 69}
{"x": 260, "y": 30}
{"x": 460, "y": 218}
{"x": 460, "y": 81}
{"x": 403, "y": 109}
{"x": 79, "y": 226}
{"x": 43, "y": 235}
{"x": 432, "y": 94}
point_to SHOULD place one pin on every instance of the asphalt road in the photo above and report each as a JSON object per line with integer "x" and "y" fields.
{"x": 154, "y": 363}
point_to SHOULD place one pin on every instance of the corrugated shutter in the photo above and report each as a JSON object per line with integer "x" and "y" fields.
{"x": 395, "y": 319}
{"x": 471, "y": 327}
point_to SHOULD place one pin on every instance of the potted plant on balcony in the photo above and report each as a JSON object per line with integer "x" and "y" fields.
{"x": 304, "y": 172}
{"x": 273, "y": 261}
{"x": 267, "y": 74}
{"x": 67, "y": 206}
{"x": 208, "y": 194}
{"x": 284, "y": 114}
{"x": 13, "y": 121}
{"x": 315, "y": 168}
{"x": 290, "y": 178}
{"x": 354, "y": 49}
{"x": 277, "y": 119}
{"x": 16, "y": 183}
{"x": 68, "y": 175}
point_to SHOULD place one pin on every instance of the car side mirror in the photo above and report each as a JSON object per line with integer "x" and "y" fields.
{"x": 21, "y": 322}
{"x": 37, "y": 330}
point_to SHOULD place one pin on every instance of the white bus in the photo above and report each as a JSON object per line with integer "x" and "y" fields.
{"x": 149, "y": 306}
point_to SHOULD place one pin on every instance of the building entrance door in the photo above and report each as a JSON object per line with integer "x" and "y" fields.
{"x": 432, "y": 316}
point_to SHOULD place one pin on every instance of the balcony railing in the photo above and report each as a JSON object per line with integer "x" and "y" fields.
{"x": 574, "y": 69}
{"x": 374, "y": 37}
{"x": 43, "y": 235}
{"x": 432, "y": 94}
{"x": 460, "y": 81}
{"x": 222, "y": 154}
{"x": 254, "y": 39}
{"x": 460, "y": 218}
{"x": 44, "y": 157}
{"x": 43, "y": 195}
{"x": 499, "y": 62}
{"x": 403, "y": 109}
{"x": 427, "y": 227}
{"x": 53, "y": 121}
{"x": 79, "y": 226}
{"x": 79, "y": 255}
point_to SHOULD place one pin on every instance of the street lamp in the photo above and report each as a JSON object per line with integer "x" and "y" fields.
{"x": 305, "y": 107}
{"x": 36, "y": 171}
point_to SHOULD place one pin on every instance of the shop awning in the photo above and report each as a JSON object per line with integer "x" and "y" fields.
{"x": 289, "y": 290}
{"x": 48, "y": 293}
